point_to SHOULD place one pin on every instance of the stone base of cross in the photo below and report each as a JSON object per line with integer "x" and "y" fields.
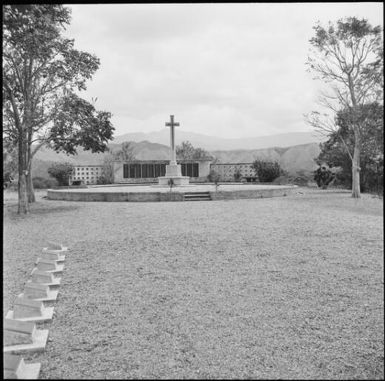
{"x": 173, "y": 170}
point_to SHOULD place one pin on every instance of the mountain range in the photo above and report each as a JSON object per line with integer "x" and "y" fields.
{"x": 293, "y": 159}
{"x": 211, "y": 143}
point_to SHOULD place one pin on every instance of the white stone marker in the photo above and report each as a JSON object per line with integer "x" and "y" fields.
{"x": 39, "y": 292}
{"x": 23, "y": 336}
{"x": 49, "y": 266}
{"x": 45, "y": 278}
{"x": 16, "y": 368}
{"x": 25, "y": 309}
{"x": 52, "y": 255}
{"x": 55, "y": 247}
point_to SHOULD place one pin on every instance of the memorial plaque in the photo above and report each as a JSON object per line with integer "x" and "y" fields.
{"x": 26, "y": 309}
{"x": 52, "y": 255}
{"x": 50, "y": 250}
{"x": 54, "y": 246}
{"x": 49, "y": 265}
{"x": 18, "y": 332}
{"x": 16, "y": 368}
{"x": 44, "y": 277}
{"x": 36, "y": 290}
{"x": 23, "y": 336}
{"x": 39, "y": 291}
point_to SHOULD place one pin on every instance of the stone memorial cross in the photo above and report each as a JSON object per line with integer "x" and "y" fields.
{"x": 172, "y": 124}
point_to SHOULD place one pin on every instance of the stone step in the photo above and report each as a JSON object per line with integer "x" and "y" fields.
{"x": 197, "y": 199}
{"x": 197, "y": 194}
{"x": 201, "y": 196}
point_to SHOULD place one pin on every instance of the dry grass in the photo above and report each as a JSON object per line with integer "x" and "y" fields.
{"x": 271, "y": 288}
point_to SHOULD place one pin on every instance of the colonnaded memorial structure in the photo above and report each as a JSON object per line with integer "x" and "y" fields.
{"x": 181, "y": 172}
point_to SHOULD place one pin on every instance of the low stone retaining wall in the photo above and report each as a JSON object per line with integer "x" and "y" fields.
{"x": 115, "y": 196}
{"x": 103, "y": 195}
{"x": 257, "y": 193}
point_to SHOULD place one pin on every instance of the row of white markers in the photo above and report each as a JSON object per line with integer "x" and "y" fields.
{"x": 20, "y": 332}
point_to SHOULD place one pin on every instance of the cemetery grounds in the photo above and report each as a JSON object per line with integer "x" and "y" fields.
{"x": 287, "y": 287}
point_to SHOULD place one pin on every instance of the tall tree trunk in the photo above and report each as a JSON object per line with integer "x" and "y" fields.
{"x": 356, "y": 191}
{"x": 30, "y": 190}
{"x": 23, "y": 206}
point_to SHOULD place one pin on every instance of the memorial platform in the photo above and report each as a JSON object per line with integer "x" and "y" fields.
{"x": 153, "y": 193}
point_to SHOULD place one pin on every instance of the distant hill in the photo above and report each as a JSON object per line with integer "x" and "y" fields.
{"x": 82, "y": 157}
{"x": 142, "y": 151}
{"x": 211, "y": 143}
{"x": 292, "y": 159}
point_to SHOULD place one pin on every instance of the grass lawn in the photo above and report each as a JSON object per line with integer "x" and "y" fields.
{"x": 287, "y": 287}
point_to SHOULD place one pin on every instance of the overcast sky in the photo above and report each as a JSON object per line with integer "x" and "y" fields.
{"x": 228, "y": 70}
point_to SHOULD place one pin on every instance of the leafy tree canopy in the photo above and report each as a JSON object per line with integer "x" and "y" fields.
{"x": 336, "y": 150}
{"x": 348, "y": 57}
{"x": 42, "y": 71}
{"x": 42, "y": 75}
{"x": 186, "y": 151}
{"x": 125, "y": 153}
{"x": 61, "y": 172}
{"x": 267, "y": 171}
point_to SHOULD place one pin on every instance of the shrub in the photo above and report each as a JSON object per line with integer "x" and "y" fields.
{"x": 42, "y": 183}
{"x": 213, "y": 177}
{"x": 237, "y": 175}
{"x": 103, "y": 179}
{"x": 282, "y": 180}
{"x": 61, "y": 172}
{"x": 302, "y": 177}
{"x": 12, "y": 185}
{"x": 323, "y": 176}
{"x": 7, "y": 179}
{"x": 267, "y": 171}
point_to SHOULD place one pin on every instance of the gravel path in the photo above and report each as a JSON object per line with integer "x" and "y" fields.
{"x": 286, "y": 287}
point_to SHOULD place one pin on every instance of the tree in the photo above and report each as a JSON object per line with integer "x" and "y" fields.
{"x": 107, "y": 176}
{"x": 215, "y": 178}
{"x": 125, "y": 153}
{"x": 61, "y": 172}
{"x": 9, "y": 164}
{"x": 41, "y": 74}
{"x": 348, "y": 57}
{"x": 323, "y": 176}
{"x": 186, "y": 151}
{"x": 337, "y": 150}
{"x": 267, "y": 171}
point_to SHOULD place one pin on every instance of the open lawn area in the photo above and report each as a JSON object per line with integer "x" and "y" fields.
{"x": 287, "y": 287}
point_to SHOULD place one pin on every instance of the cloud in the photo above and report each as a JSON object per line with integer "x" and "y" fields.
{"x": 225, "y": 69}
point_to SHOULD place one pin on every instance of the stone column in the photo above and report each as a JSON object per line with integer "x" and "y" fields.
{"x": 172, "y": 146}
